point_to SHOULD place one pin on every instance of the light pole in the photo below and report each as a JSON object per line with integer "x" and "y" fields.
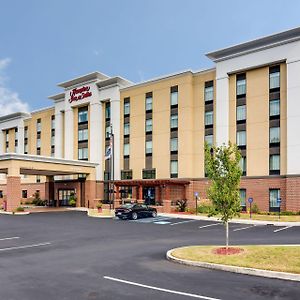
{"x": 111, "y": 165}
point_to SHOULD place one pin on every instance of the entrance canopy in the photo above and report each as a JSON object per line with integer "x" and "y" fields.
{"x": 14, "y": 165}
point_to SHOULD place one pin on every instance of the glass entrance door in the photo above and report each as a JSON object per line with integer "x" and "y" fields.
{"x": 64, "y": 196}
{"x": 149, "y": 195}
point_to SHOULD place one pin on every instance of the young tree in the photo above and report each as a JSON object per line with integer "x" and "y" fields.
{"x": 223, "y": 169}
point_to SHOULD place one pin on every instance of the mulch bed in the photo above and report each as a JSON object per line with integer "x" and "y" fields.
{"x": 227, "y": 251}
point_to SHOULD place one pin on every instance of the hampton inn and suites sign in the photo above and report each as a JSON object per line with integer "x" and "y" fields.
{"x": 80, "y": 93}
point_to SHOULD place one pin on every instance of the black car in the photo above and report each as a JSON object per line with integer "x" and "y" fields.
{"x": 134, "y": 211}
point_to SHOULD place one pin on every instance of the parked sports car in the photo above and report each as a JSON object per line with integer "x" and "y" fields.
{"x": 134, "y": 211}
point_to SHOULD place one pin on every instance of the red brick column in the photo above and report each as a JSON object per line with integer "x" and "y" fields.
{"x": 13, "y": 192}
{"x": 90, "y": 193}
{"x": 140, "y": 192}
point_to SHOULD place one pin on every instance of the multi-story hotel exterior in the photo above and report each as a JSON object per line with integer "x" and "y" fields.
{"x": 159, "y": 127}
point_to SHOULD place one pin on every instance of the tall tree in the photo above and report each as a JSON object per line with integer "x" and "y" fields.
{"x": 223, "y": 169}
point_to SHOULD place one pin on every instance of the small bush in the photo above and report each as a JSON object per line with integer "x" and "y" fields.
{"x": 19, "y": 209}
{"x": 255, "y": 209}
{"x": 99, "y": 205}
{"x": 72, "y": 202}
{"x": 28, "y": 202}
{"x": 204, "y": 209}
{"x": 182, "y": 204}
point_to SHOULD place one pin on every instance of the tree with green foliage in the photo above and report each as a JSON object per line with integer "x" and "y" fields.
{"x": 223, "y": 169}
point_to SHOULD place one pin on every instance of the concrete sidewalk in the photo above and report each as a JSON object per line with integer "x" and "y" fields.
{"x": 240, "y": 221}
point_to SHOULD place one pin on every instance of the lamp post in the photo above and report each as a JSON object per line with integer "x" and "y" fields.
{"x": 111, "y": 168}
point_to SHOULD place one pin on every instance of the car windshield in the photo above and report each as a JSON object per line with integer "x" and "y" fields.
{"x": 128, "y": 205}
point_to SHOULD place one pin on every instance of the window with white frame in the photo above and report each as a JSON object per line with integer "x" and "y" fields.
{"x": 38, "y": 125}
{"x": 83, "y": 134}
{"x": 243, "y": 197}
{"x": 148, "y": 147}
{"x": 241, "y": 86}
{"x": 38, "y": 143}
{"x": 241, "y": 113}
{"x": 274, "y": 135}
{"x": 174, "y": 98}
{"x": 126, "y": 149}
{"x": 243, "y": 165}
{"x": 174, "y": 168}
{"x": 83, "y": 115}
{"x": 126, "y": 128}
{"x": 149, "y": 125}
{"x": 209, "y": 93}
{"x": 83, "y": 153}
{"x": 274, "y": 80}
{"x": 209, "y": 118}
{"x": 174, "y": 144}
{"x": 241, "y": 138}
{"x": 107, "y": 131}
{"x": 274, "y": 195}
{"x": 275, "y": 107}
{"x": 174, "y": 121}
{"x": 274, "y": 162}
{"x": 148, "y": 103}
{"x": 209, "y": 139}
{"x": 126, "y": 108}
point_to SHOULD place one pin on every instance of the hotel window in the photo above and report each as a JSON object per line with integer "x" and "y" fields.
{"x": 107, "y": 132}
{"x": 16, "y": 140}
{"x": 149, "y": 174}
{"x": 148, "y": 102}
{"x": 7, "y": 136}
{"x": 209, "y": 91}
{"x": 174, "y": 96}
{"x": 274, "y": 77}
{"x": 209, "y": 118}
{"x": 126, "y": 150}
{"x": 241, "y": 113}
{"x": 241, "y": 138}
{"x": 209, "y": 139}
{"x": 127, "y": 129}
{"x": 126, "y": 175}
{"x": 53, "y": 122}
{"x": 83, "y": 115}
{"x": 241, "y": 85}
{"x": 274, "y": 135}
{"x": 274, "y": 164}
{"x": 174, "y": 145}
{"x": 107, "y": 112}
{"x": 25, "y": 132}
{"x": 126, "y": 107}
{"x": 38, "y": 178}
{"x": 38, "y": 143}
{"x": 148, "y": 125}
{"x": 243, "y": 199}
{"x": 38, "y": 125}
{"x": 274, "y": 108}
{"x": 243, "y": 165}
{"x": 52, "y": 141}
{"x": 148, "y": 147}
{"x": 83, "y": 135}
{"x": 174, "y": 121}
{"x": 274, "y": 195}
{"x": 25, "y": 148}
{"x": 83, "y": 153}
{"x": 24, "y": 193}
{"x": 52, "y": 151}
{"x": 174, "y": 168}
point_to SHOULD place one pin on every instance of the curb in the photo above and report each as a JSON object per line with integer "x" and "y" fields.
{"x": 238, "y": 221}
{"x": 15, "y": 213}
{"x": 234, "y": 269}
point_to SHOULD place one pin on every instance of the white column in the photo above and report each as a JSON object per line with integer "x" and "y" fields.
{"x": 293, "y": 116}
{"x": 69, "y": 133}
{"x": 2, "y": 141}
{"x": 222, "y": 110}
{"x": 115, "y": 120}
{"x": 59, "y": 129}
{"x": 96, "y": 137}
{"x": 21, "y": 139}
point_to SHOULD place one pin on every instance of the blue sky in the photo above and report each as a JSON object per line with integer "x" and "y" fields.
{"x": 46, "y": 42}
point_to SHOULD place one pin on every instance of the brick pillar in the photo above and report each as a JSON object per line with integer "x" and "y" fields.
{"x": 49, "y": 189}
{"x": 140, "y": 192}
{"x": 13, "y": 192}
{"x": 90, "y": 193}
{"x": 117, "y": 192}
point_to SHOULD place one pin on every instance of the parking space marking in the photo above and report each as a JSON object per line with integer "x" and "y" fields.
{"x": 10, "y": 238}
{"x": 162, "y": 222}
{"x": 182, "y": 222}
{"x": 209, "y": 225}
{"x": 244, "y": 228}
{"x": 284, "y": 228}
{"x": 151, "y": 220}
{"x": 25, "y": 246}
{"x": 159, "y": 289}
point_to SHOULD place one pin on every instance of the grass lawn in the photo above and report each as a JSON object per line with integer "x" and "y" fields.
{"x": 273, "y": 258}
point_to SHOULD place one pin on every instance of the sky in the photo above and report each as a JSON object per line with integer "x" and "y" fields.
{"x": 45, "y": 42}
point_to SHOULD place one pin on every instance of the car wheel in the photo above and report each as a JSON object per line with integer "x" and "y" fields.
{"x": 134, "y": 216}
{"x": 154, "y": 214}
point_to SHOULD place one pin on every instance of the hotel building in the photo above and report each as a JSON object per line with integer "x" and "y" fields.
{"x": 250, "y": 97}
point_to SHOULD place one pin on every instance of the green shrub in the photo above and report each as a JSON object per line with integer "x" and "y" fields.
{"x": 182, "y": 204}
{"x": 72, "y": 202}
{"x": 255, "y": 209}
{"x": 19, "y": 209}
{"x": 204, "y": 209}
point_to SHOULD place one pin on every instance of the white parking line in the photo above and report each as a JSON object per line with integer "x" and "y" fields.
{"x": 159, "y": 289}
{"x": 284, "y": 228}
{"x": 25, "y": 246}
{"x": 183, "y": 222}
{"x": 10, "y": 238}
{"x": 209, "y": 225}
{"x": 243, "y": 228}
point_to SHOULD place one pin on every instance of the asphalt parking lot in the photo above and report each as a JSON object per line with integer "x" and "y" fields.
{"x": 68, "y": 255}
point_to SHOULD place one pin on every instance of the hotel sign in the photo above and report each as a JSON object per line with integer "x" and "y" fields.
{"x": 80, "y": 93}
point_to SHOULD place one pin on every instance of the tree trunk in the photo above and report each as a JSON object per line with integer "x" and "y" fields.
{"x": 227, "y": 234}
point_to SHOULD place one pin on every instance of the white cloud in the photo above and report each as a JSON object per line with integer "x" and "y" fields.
{"x": 10, "y": 101}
